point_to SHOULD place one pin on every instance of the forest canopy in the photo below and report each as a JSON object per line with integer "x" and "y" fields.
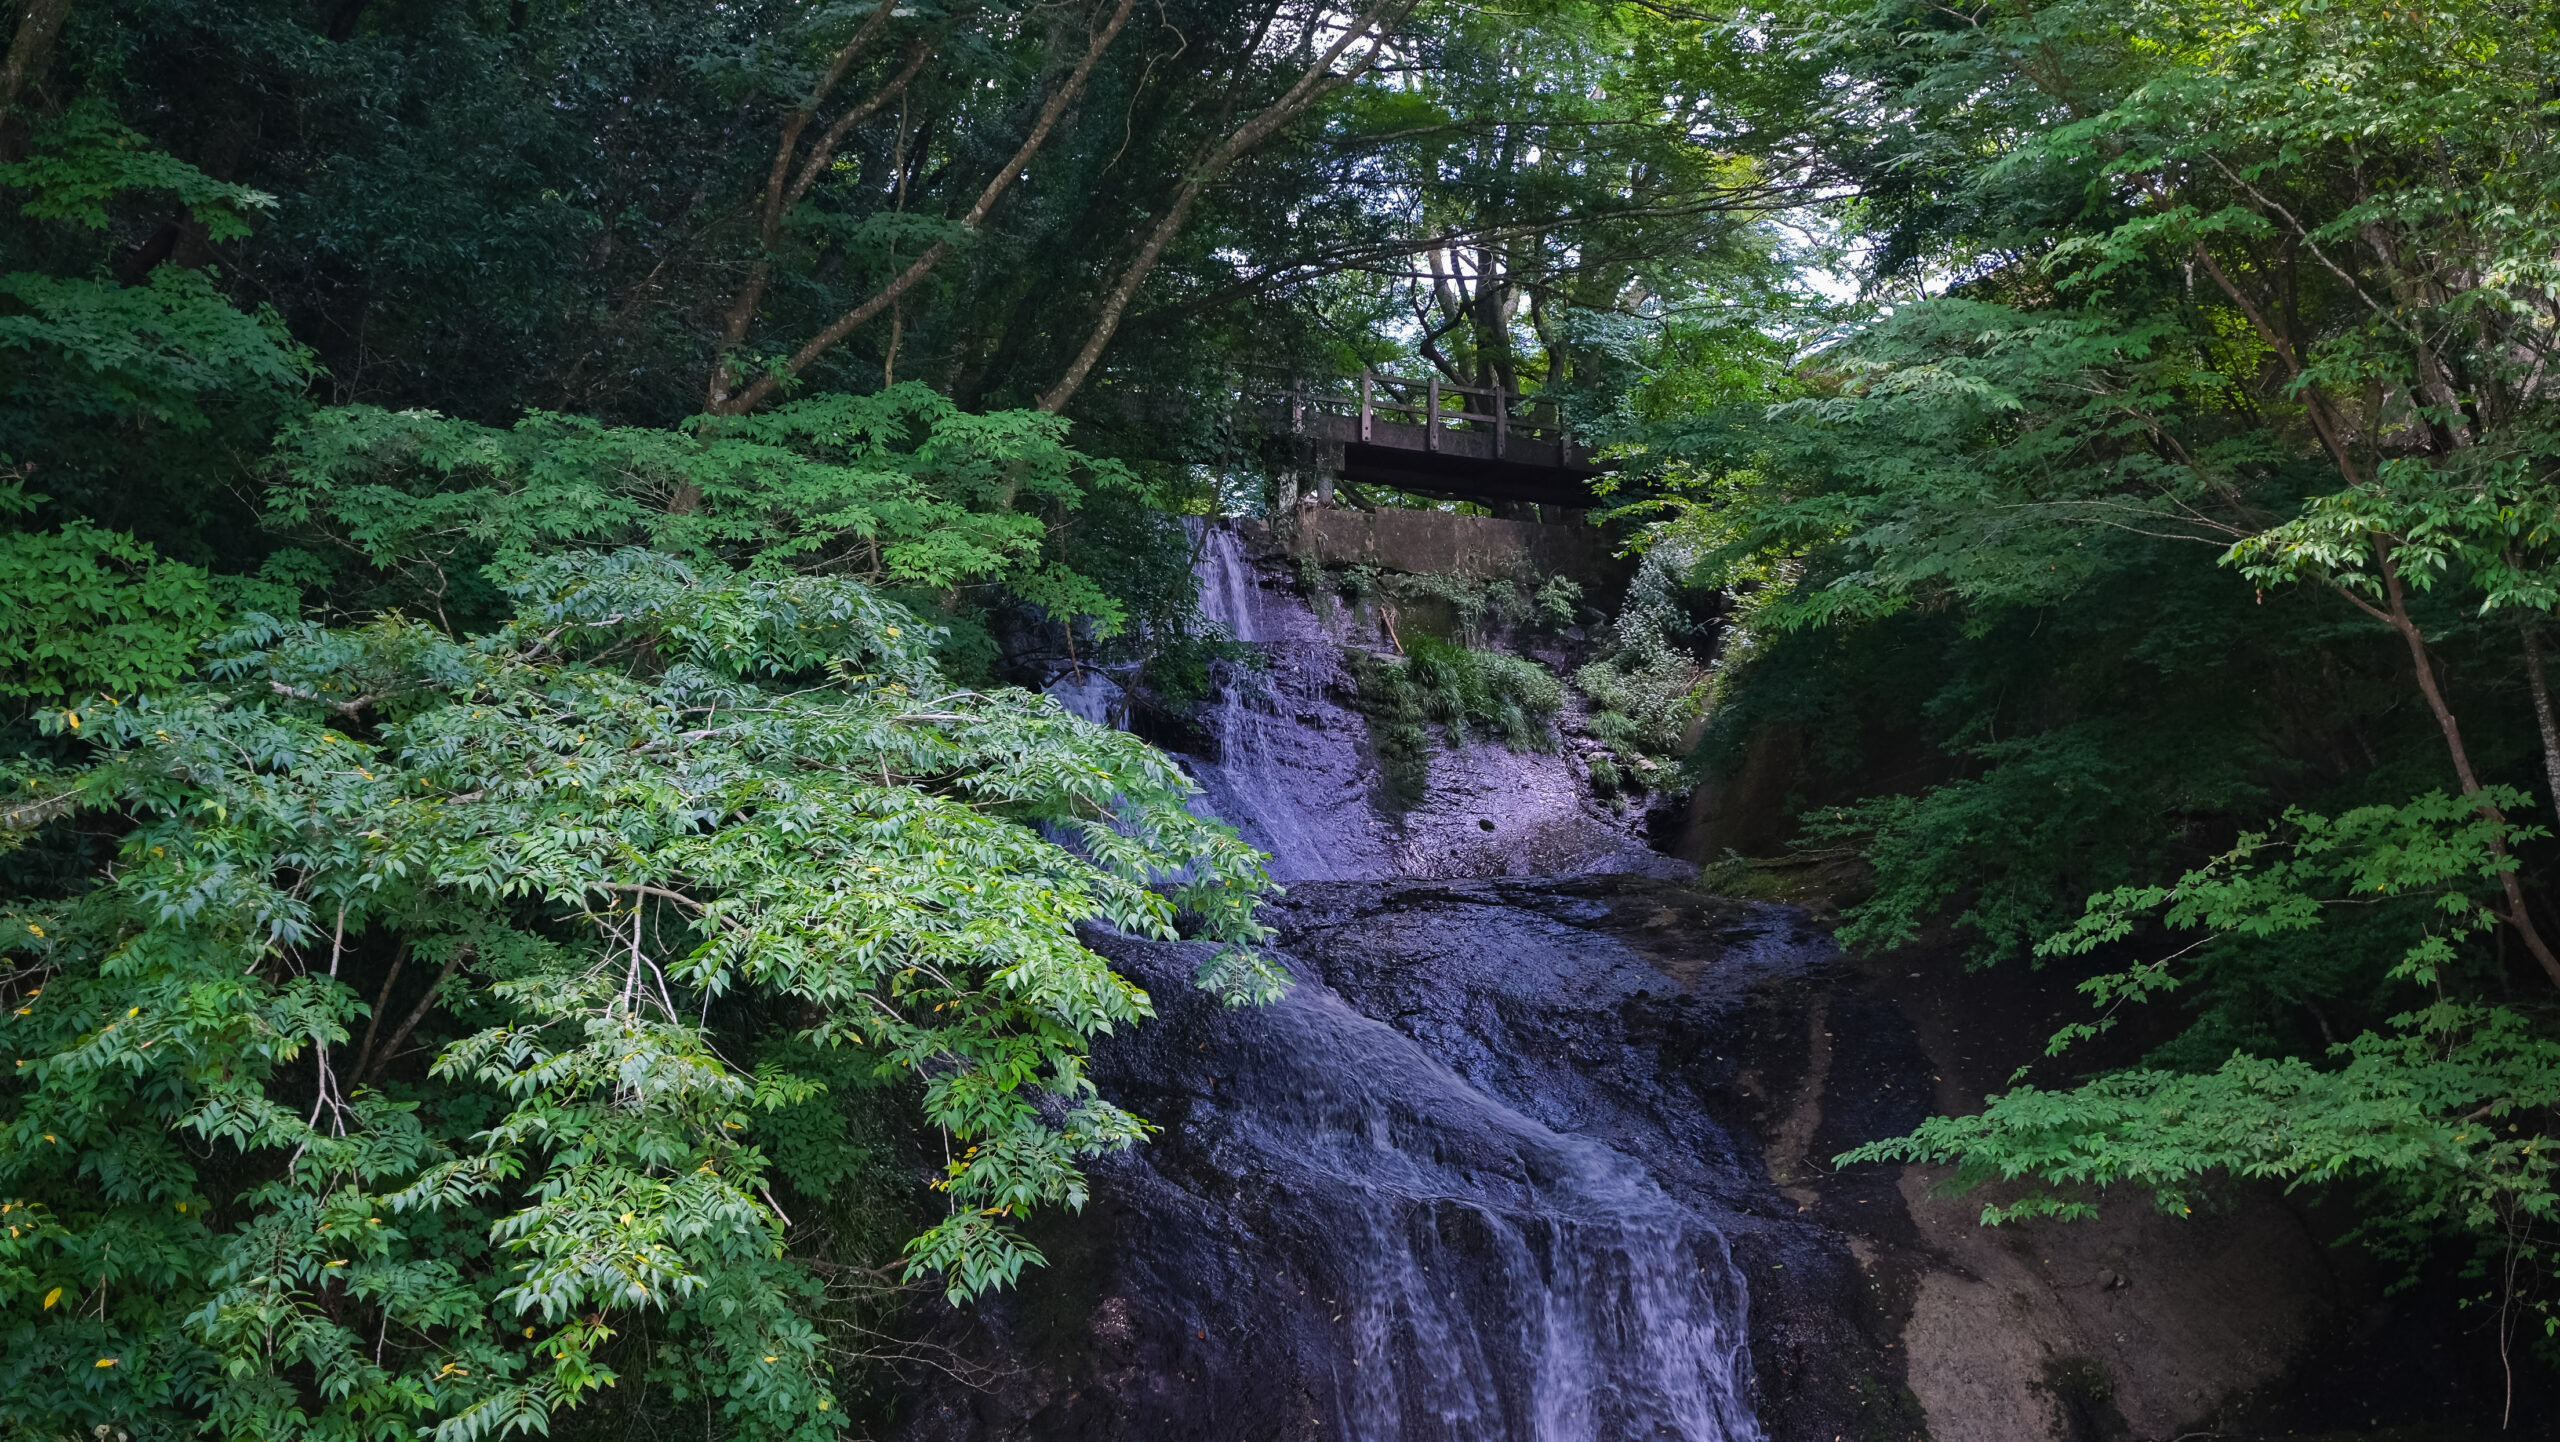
{"x": 540, "y": 884}
{"x": 2176, "y": 535}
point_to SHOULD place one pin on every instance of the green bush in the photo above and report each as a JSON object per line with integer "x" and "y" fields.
{"x": 1506, "y": 696}
{"x": 1481, "y": 605}
{"x": 1646, "y": 708}
{"x": 1646, "y": 691}
{"x": 1466, "y": 692}
{"x": 464, "y": 1023}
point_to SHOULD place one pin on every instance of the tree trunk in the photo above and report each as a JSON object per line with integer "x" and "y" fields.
{"x": 782, "y": 191}
{"x": 2542, "y": 714}
{"x": 2401, "y": 621}
{"x": 29, "y": 51}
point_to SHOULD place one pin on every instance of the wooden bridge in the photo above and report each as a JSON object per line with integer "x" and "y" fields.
{"x": 1468, "y": 442}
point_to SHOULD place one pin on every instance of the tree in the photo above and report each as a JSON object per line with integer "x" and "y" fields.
{"x": 556, "y": 986}
{"x": 438, "y": 1026}
{"x": 898, "y": 488}
{"x": 728, "y": 396}
{"x": 1549, "y": 174}
{"x": 2186, "y": 304}
{"x": 1355, "y": 47}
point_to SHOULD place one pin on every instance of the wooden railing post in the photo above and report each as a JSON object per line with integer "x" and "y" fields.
{"x": 1540, "y": 425}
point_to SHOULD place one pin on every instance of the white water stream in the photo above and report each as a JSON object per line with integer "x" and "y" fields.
{"x": 1496, "y": 1281}
{"x": 1499, "y": 1281}
{"x": 1288, "y": 771}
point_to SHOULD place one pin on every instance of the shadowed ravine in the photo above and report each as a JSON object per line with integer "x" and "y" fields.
{"x": 1480, "y": 1176}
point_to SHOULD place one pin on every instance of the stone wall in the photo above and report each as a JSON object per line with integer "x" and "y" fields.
{"x": 1446, "y": 543}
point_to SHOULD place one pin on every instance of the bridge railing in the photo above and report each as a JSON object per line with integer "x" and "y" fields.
{"x": 1376, "y": 408}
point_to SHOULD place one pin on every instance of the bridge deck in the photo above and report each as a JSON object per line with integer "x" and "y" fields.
{"x": 1426, "y": 436}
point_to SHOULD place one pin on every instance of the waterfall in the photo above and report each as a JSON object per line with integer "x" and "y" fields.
{"x": 1228, "y": 593}
{"x": 1493, "y": 1279}
{"x": 1453, "y": 1187}
{"x": 1288, "y": 771}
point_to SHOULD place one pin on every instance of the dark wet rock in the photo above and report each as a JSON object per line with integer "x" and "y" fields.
{"x": 1541, "y": 1149}
{"x": 1478, "y": 1178}
{"x": 1489, "y": 1173}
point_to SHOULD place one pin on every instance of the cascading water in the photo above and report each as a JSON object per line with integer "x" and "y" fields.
{"x": 1493, "y": 1278}
{"x": 1533, "y": 1285}
{"x": 1229, "y": 594}
{"x": 1466, "y": 1183}
{"x": 1287, "y": 770}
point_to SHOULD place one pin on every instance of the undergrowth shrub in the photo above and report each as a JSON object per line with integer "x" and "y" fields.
{"x": 1645, "y": 707}
{"x": 1467, "y": 692}
{"x": 1481, "y": 605}
{"x": 1510, "y": 697}
{"x": 1646, "y": 691}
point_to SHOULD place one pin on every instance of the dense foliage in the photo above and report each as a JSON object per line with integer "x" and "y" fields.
{"x": 2161, "y": 577}
{"x": 532, "y": 533}
{"x": 538, "y": 891}
{"x": 648, "y": 850}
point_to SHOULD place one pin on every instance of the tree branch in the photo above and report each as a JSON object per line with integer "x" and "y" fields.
{"x": 2314, "y": 402}
{"x": 416, "y": 1014}
{"x": 1316, "y": 81}
{"x": 723, "y": 401}
{"x": 27, "y": 816}
{"x": 353, "y": 706}
{"x": 2400, "y": 620}
{"x": 2432, "y": 374}
{"x": 824, "y": 153}
{"x": 381, "y": 1004}
{"x": 780, "y": 194}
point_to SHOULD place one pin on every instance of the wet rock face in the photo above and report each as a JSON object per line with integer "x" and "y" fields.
{"x": 1544, "y": 1155}
{"x": 1487, "y": 1173}
{"x": 1289, "y": 765}
{"x": 1478, "y": 1178}
{"x": 1290, "y": 762}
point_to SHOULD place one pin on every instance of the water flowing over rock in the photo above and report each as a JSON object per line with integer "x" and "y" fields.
{"x": 1481, "y": 1274}
{"x": 1477, "y": 1177}
{"x": 1287, "y": 771}
{"x": 1291, "y": 766}
{"x": 1537, "y": 1151}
